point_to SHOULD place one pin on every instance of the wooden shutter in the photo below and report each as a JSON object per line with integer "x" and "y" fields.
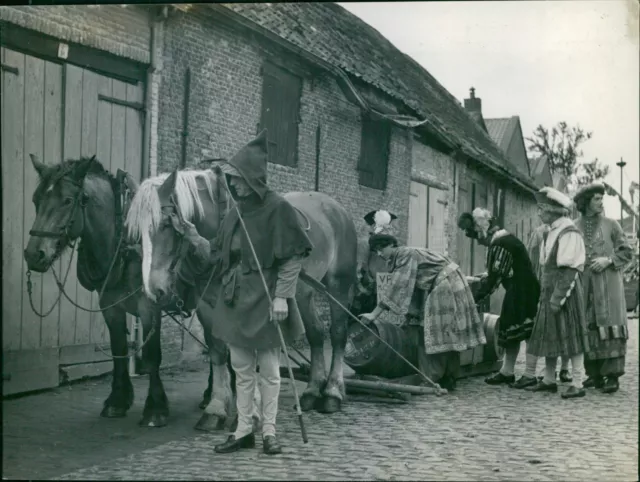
{"x": 374, "y": 153}
{"x": 281, "y": 91}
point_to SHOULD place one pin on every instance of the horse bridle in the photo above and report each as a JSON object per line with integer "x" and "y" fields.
{"x": 183, "y": 247}
{"x": 78, "y": 200}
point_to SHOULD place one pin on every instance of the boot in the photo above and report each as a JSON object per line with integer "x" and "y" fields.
{"x": 270, "y": 445}
{"x": 233, "y": 445}
{"x": 543, "y": 387}
{"x": 524, "y": 382}
{"x": 611, "y": 385}
{"x": 565, "y": 377}
{"x": 574, "y": 392}
{"x": 593, "y": 382}
{"x": 499, "y": 379}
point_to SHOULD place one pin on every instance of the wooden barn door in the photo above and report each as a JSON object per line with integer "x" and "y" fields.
{"x": 437, "y": 206}
{"x": 56, "y": 111}
{"x": 418, "y": 215}
{"x": 464, "y": 244}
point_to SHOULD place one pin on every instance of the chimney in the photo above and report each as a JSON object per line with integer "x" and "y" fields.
{"x": 473, "y": 105}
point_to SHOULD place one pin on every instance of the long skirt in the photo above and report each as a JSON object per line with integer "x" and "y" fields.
{"x": 450, "y": 318}
{"x": 563, "y": 333}
{"x": 435, "y": 366}
{"x": 607, "y": 348}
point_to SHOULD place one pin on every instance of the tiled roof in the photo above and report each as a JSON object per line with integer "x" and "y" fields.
{"x": 338, "y": 37}
{"x": 541, "y": 172}
{"x": 501, "y": 130}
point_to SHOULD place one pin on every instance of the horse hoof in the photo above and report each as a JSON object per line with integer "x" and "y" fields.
{"x": 156, "y": 420}
{"x": 113, "y": 412}
{"x": 330, "y": 405}
{"x": 307, "y": 402}
{"x": 210, "y": 423}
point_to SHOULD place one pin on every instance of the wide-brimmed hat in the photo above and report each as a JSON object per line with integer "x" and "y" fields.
{"x": 553, "y": 200}
{"x": 588, "y": 191}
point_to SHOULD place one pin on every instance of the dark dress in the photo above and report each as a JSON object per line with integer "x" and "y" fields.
{"x": 508, "y": 264}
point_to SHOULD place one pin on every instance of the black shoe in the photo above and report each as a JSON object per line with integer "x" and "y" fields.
{"x": 593, "y": 382}
{"x": 524, "y": 382}
{"x": 270, "y": 445}
{"x": 233, "y": 445}
{"x": 611, "y": 385}
{"x": 565, "y": 377}
{"x": 499, "y": 379}
{"x": 543, "y": 387}
{"x": 448, "y": 383}
{"x": 573, "y": 392}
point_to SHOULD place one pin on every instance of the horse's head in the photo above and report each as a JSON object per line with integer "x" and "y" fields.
{"x": 192, "y": 195}
{"x": 59, "y": 201}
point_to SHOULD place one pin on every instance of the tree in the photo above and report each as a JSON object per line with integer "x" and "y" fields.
{"x": 588, "y": 172}
{"x": 560, "y": 145}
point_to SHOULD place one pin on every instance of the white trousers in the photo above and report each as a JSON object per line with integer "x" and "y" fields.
{"x": 243, "y": 362}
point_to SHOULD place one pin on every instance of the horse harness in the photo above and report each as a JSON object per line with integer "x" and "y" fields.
{"x": 80, "y": 201}
{"x": 183, "y": 247}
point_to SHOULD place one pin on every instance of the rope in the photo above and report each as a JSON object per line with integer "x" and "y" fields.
{"x": 30, "y": 289}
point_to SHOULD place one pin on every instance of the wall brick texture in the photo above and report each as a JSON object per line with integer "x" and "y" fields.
{"x": 225, "y": 106}
{"x": 224, "y": 113}
{"x": 120, "y": 30}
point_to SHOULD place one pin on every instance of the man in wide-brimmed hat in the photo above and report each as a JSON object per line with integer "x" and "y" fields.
{"x": 607, "y": 253}
{"x": 508, "y": 265}
{"x": 560, "y": 328}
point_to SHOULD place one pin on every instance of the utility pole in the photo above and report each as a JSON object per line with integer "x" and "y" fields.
{"x": 621, "y": 165}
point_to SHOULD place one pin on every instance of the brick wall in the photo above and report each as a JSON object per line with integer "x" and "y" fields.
{"x": 120, "y": 30}
{"x": 225, "y": 106}
{"x": 225, "y": 102}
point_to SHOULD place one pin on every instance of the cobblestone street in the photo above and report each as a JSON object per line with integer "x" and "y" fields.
{"x": 477, "y": 433}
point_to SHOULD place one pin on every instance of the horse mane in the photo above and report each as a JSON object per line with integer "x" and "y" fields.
{"x": 145, "y": 211}
{"x": 70, "y": 168}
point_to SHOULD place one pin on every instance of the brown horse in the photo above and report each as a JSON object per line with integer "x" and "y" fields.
{"x": 200, "y": 196}
{"x": 79, "y": 199}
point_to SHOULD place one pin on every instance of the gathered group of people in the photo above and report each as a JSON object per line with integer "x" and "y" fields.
{"x": 564, "y": 296}
{"x": 564, "y": 293}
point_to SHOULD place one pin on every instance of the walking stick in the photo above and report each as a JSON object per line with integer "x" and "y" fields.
{"x": 283, "y": 345}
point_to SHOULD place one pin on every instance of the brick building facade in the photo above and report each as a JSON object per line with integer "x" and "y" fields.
{"x": 365, "y": 124}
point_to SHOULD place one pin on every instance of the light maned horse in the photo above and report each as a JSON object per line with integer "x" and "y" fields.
{"x": 79, "y": 199}
{"x": 200, "y": 196}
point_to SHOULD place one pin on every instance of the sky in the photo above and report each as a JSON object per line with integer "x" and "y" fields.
{"x": 573, "y": 61}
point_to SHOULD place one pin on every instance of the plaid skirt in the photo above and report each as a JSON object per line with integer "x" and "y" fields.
{"x": 451, "y": 321}
{"x": 563, "y": 333}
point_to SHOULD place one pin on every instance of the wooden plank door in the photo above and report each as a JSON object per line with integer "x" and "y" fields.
{"x": 418, "y": 215}
{"x": 437, "y": 206}
{"x": 481, "y": 200}
{"x": 463, "y": 245}
{"x": 31, "y": 106}
{"x": 102, "y": 119}
{"x": 54, "y": 111}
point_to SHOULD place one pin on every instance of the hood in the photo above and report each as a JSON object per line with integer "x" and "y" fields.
{"x": 251, "y": 163}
